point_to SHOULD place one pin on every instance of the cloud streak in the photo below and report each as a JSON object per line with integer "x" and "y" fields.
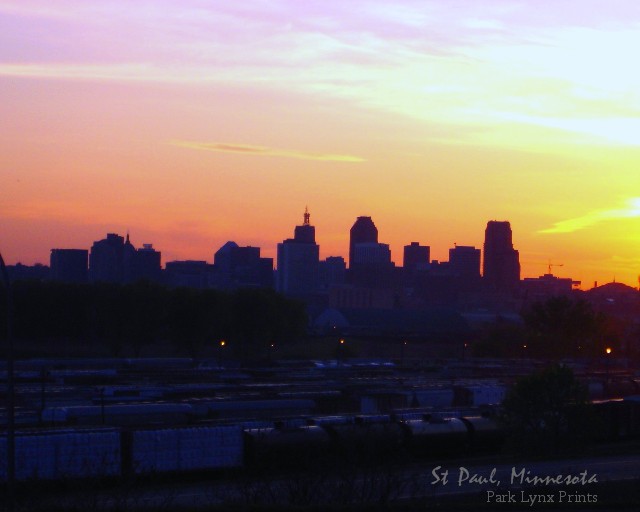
{"x": 596, "y": 217}
{"x": 245, "y": 149}
{"x": 502, "y": 64}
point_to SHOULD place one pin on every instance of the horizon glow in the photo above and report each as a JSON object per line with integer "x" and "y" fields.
{"x": 195, "y": 123}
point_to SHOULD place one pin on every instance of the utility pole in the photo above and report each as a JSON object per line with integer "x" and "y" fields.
{"x": 11, "y": 434}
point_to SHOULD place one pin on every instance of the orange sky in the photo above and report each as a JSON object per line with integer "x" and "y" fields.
{"x": 193, "y": 123}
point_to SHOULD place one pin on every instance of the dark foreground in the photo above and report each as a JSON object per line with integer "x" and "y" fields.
{"x": 405, "y": 488}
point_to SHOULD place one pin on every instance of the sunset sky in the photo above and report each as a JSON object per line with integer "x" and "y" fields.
{"x": 189, "y": 123}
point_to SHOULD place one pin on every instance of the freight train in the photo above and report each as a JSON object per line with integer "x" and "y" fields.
{"x": 72, "y": 453}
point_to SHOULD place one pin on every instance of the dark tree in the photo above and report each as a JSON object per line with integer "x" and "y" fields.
{"x": 502, "y": 339}
{"x": 106, "y": 317}
{"x": 561, "y": 327}
{"x": 548, "y": 412}
{"x": 142, "y": 308}
{"x": 263, "y": 317}
{"x": 132, "y": 317}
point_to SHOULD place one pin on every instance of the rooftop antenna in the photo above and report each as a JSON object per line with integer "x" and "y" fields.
{"x": 306, "y": 215}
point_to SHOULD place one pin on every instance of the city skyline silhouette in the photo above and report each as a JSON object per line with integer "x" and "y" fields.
{"x": 363, "y": 231}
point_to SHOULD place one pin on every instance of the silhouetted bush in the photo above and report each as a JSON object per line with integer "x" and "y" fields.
{"x": 548, "y": 412}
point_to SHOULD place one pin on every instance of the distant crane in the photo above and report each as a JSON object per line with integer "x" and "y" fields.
{"x": 553, "y": 265}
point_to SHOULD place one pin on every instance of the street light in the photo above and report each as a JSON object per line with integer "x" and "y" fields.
{"x": 221, "y": 345}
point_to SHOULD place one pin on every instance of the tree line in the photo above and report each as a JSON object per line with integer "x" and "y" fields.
{"x": 129, "y": 318}
{"x": 557, "y": 328}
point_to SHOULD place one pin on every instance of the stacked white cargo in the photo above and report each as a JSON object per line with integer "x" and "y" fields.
{"x": 187, "y": 449}
{"x": 64, "y": 454}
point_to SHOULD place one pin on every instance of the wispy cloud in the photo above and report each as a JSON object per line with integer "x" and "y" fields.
{"x": 100, "y": 72}
{"x": 503, "y": 66}
{"x": 631, "y": 210}
{"x": 246, "y": 149}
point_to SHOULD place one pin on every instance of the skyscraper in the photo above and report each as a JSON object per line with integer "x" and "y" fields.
{"x": 370, "y": 264}
{"x": 115, "y": 260}
{"x": 501, "y": 265}
{"x": 298, "y": 259}
{"x": 238, "y": 267}
{"x": 464, "y": 261}
{"x": 416, "y": 257}
{"x": 363, "y": 231}
{"x": 371, "y": 254}
{"x": 147, "y": 264}
{"x": 106, "y": 259}
{"x": 332, "y": 271}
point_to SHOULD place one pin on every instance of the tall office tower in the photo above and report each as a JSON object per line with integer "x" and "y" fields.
{"x": 147, "y": 264}
{"x": 464, "y": 261}
{"x": 106, "y": 259}
{"x": 363, "y": 231}
{"x": 238, "y": 267}
{"x": 189, "y": 273}
{"x": 371, "y": 254}
{"x": 116, "y": 260}
{"x": 298, "y": 259}
{"x": 332, "y": 271}
{"x": 69, "y": 265}
{"x": 371, "y": 266}
{"x": 416, "y": 257}
{"x": 501, "y": 265}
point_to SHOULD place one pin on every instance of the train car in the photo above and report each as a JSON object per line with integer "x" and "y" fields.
{"x": 368, "y": 440}
{"x": 302, "y": 446}
{"x": 121, "y": 414}
{"x": 228, "y": 409}
{"x": 485, "y": 434}
{"x": 183, "y": 449}
{"x": 63, "y": 454}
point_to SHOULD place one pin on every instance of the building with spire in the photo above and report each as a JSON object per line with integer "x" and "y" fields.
{"x": 298, "y": 260}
